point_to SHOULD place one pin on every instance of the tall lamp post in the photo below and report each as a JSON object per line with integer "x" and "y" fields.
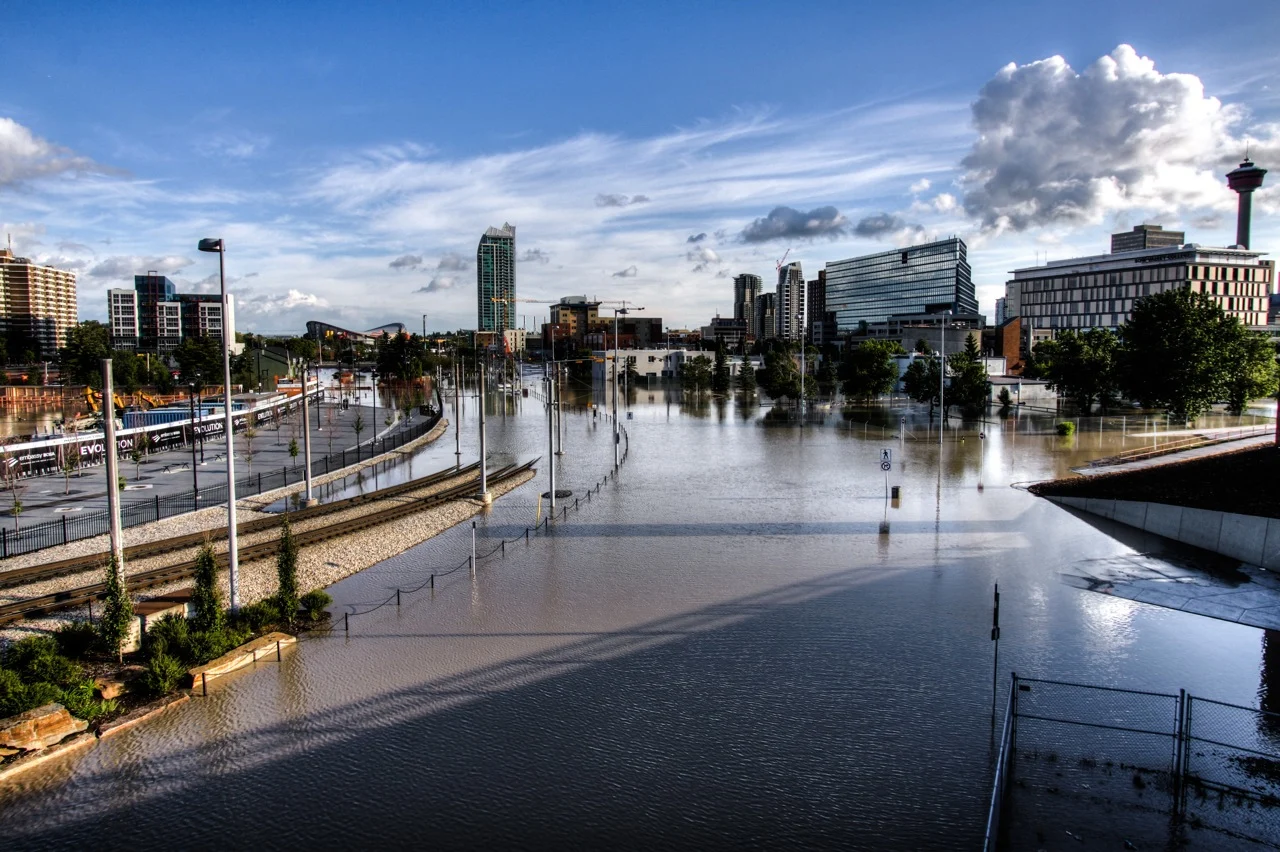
{"x": 942, "y": 376}
{"x": 617, "y": 440}
{"x": 233, "y": 555}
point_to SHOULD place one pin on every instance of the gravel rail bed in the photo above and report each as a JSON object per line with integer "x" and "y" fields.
{"x": 319, "y": 565}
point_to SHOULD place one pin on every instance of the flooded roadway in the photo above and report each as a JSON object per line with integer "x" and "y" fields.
{"x": 721, "y": 650}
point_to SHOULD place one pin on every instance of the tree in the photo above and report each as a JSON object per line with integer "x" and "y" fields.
{"x": 747, "y": 377}
{"x": 358, "y": 427}
{"x": 249, "y": 434}
{"x": 868, "y": 370}
{"x": 287, "y": 569}
{"x": 199, "y": 359}
{"x": 293, "y": 450}
{"x": 117, "y": 611}
{"x": 1253, "y": 372}
{"x": 968, "y": 386}
{"x": 80, "y": 360}
{"x": 1176, "y": 352}
{"x": 70, "y": 464}
{"x": 205, "y": 600}
{"x": 1079, "y": 365}
{"x": 781, "y": 376}
{"x": 137, "y": 454}
{"x": 695, "y": 374}
{"x": 720, "y": 373}
{"x": 922, "y": 381}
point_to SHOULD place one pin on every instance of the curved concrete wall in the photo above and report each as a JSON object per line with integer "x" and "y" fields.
{"x": 1249, "y": 538}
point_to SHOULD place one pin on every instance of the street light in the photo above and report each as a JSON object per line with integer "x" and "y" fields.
{"x": 233, "y": 556}
{"x": 942, "y": 377}
{"x": 617, "y": 440}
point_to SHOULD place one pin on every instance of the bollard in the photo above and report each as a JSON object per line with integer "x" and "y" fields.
{"x": 346, "y": 623}
{"x": 433, "y": 582}
{"x": 526, "y": 535}
{"x": 277, "y": 650}
{"x": 504, "y": 547}
{"x": 895, "y": 491}
{"x": 397, "y": 597}
{"x": 204, "y": 684}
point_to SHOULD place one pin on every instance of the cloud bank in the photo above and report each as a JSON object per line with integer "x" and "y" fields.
{"x": 787, "y": 223}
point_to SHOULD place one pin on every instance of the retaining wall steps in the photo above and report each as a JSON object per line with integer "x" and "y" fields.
{"x": 264, "y": 647}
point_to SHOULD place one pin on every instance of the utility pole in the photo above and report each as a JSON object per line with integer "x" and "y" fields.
{"x": 113, "y": 468}
{"x": 457, "y": 413}
{"x": 551, "y": 442}
{"x": 308, "y": 498}
{"x": 484, "y": 472}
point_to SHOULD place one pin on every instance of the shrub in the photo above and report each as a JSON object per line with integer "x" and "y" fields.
{"x": 81, "y": 702}
{"x": 162, "y": 676}
{"x": 76, "y": 639}
{"x": 287, "y": 570}
{"x": 209, "y": 614}
{"x": 258, "y": 616}
{"x": 1066, "y": 428}
{"x": 12, "y": 694}
{"x": 1004, "y": 398}
{"x": 210, "y": 644}
{"x": 315, "y": 602}
{"x": 170, "y": 636}
{"x": 117, "y": 612}
{"x": 36, "y": 660}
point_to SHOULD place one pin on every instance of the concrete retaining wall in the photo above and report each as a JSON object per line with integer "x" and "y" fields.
{"x": 1249, "y": 538}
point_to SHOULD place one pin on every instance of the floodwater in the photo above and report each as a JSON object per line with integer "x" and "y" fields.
{"x": 721, "y": 649}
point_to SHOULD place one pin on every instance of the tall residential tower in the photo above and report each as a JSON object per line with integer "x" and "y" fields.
{"x": 496, "y": 279}
{"x": 746, "y": 289}
{"x": 37, "y": 304}
{"x": 790, "y": 304}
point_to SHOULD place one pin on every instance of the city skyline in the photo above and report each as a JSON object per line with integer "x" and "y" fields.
{"x": 341, "y": 198}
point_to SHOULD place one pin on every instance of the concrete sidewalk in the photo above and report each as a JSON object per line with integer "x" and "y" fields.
{"x": 168, "y": 473}
{"x": 1179, "y": 456}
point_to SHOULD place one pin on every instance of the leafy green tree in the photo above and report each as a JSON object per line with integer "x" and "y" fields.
{"x": 199, "y": 359}
{"x": 720, "y": 372}
{"x": 921, "y": 381}
{"x": 746, "y": 377}
{"x": 695, "y": 374}
{"x": 1081, "y": 365}
{"x": 205, "y": 601}
{"x": 1253, "y": 373}
{"x": 293, "y": 450}
{"x": 70, "y": 464}
{"x": 868, "y": 370}
{"x": 117, "y": 611}
{"x": 780, "y": 376}
{"x": 80, "y": 360}
{"x": 968, "y": 386}
{"x": 287, "y": 569}
{"x": 1177, "y": 352}
{"x": 828, "y": 375}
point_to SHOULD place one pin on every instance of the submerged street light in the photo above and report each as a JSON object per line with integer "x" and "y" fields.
{"x": 233, "y": 561}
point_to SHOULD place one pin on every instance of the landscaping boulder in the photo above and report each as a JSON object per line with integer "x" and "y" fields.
{"x": 39, "y": 728}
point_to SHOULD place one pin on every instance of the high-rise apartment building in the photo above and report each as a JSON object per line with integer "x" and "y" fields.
{"x": 766, "y": 317}
{"x": 496, "y": 279}
{"x": 154, "y": 317}
{"x": 924, "y": 279}
{"x": 37, "y": 304}
{"x": 790, "y": 303}
{"x": 820, "y": 323}
{"x": 578, "y": 313}
{"x": 746, "y": 289}
{"x": 1099, "y": 291}
{"x": 1146, "y": 237}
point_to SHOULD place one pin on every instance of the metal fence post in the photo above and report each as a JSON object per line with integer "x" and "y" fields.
{"x": 157, "y": 507}
{"x": 64, "y": 529}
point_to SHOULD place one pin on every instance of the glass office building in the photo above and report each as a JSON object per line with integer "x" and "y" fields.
{"x": 923, "y": 279}
{"x": 496, "y": 279}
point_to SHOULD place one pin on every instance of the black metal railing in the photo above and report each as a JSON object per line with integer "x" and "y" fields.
{"x": 72, "y": 528}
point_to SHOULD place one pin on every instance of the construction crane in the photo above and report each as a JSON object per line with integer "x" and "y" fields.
{"x": 783, "y": 259}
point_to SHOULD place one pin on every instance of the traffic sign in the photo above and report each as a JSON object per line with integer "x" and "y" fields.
{"x": 886, "y": 455}
{"x": 885, "y": 466}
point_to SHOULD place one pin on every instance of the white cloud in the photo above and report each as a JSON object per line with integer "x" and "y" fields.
{"x": 453, "y": 262}
{"x": 25, "y": 156}
{"x": 406, "y": 261}
{"x": 1057, "y": 146}
{"x": 440, "y": 282}
{"x": 127, "y": 266}
{"x": 703, "y": 257}
{"x": 919, "y": 186}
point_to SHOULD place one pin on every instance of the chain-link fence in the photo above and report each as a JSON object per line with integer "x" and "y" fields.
{"x": 1232, "y": 767}
{"x": 1113, "y": 766}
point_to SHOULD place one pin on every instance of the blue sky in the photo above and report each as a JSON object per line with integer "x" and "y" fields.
{"x": 352, "y": 154}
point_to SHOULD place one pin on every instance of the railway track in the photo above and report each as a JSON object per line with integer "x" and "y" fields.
{"x": 19, "y": 610}
{"x": 77, "y": 564}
